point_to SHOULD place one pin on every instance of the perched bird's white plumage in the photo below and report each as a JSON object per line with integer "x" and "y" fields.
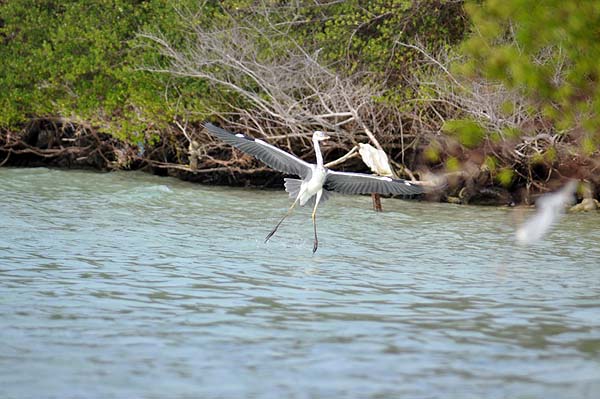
{"x": 375, "y": 159}
{"x": 316, "y": 181}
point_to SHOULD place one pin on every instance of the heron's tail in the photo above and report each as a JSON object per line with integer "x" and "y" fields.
{"x": 292, "y": 186}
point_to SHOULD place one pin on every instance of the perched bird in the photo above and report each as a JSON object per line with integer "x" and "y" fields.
{"x": 379, "y": 164}
{"x": 316, "y": 182}
{"x": 375, "y": 159}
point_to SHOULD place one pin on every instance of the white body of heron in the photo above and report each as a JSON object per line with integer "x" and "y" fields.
{"x": 314, "y": 186}
{"x": 317, "y": 182}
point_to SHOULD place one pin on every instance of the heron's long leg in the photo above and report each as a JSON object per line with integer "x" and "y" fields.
{"x": 288, "y": 213}
{"x": 314, "y": 220}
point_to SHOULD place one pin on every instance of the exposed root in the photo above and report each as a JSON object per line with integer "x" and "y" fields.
{"x": 57, "y": 144}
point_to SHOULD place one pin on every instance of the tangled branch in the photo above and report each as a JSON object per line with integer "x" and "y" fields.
{"x": 272, "y": 84}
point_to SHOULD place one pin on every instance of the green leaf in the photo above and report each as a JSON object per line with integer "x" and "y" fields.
{"x": 505, "y": 177}
{"x": 468, "y": 132}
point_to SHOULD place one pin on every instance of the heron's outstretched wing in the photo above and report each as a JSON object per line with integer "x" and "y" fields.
{"x": 358, "y": 183}
{"x": 271, "y": 155}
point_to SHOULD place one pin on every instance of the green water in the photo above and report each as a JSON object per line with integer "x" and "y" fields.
{"x": 126, "y": 285}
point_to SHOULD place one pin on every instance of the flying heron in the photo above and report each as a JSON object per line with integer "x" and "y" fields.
{"x": 317, "y": 182}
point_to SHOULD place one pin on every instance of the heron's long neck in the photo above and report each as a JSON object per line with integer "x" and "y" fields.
{"x": 318, "y": 153}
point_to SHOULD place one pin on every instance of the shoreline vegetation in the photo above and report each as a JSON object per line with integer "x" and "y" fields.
{"x": 500, "y": 100}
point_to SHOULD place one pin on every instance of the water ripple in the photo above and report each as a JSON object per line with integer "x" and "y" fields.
{"x": 128, "y": 285}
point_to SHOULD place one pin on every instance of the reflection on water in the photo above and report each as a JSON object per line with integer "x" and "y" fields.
{"x": 128, "y": 285}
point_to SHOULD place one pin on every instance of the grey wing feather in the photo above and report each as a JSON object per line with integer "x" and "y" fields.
{"x": 270, "y": 155}
{"x": 358, "y": 183}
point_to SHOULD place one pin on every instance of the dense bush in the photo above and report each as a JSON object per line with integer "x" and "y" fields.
{"x": 79, "y": 61}
{"x": 369, "y": 35}
{"x": 549, "y": 51}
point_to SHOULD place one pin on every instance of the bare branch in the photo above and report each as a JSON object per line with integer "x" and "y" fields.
{"x": 352, "y": 153}
{"x": 286, "y": 86}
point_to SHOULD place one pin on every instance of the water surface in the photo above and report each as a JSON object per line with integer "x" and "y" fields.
{"x": 128, "y": 285}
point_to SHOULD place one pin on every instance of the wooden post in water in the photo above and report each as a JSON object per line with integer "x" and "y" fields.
{"x": 376, "y": 202}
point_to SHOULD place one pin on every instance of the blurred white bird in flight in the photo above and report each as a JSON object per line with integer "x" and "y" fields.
{"x": 550, "y": 208}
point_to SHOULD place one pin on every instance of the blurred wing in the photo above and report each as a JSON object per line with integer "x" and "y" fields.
{"x": 270, "y": 155}
{"x": 358, "y": 183}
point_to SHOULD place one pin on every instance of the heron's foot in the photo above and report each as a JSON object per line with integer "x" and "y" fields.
{"x": 270, "y": 234}
{"x": 315, "y": 246}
